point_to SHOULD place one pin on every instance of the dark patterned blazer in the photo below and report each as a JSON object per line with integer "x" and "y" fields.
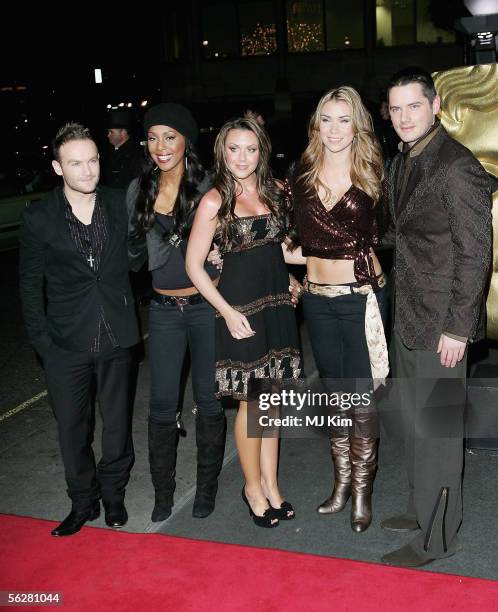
{"x": 442, "y": 234}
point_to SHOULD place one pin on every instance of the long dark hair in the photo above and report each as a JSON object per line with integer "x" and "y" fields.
{"x": 189, "y": 195}
{"x": 270, "y": 193}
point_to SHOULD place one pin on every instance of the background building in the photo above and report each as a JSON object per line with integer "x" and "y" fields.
{"x": 281, "y": 55}
{"x": 219, "y": 57}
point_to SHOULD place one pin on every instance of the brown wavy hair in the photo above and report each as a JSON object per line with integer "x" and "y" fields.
{"x": 270, "y": 193}
{"x": 367, "y": 168}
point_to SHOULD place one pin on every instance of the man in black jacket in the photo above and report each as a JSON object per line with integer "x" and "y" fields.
{"x": 79, "y": 315}
{"x": 122, "y": 161}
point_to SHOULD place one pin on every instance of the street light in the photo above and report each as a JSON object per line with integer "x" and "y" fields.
{"x": 481, "y": 7}
{"x": 481, "y": 30}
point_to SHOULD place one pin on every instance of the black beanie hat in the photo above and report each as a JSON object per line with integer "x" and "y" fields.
{"x": 173, "y": 115}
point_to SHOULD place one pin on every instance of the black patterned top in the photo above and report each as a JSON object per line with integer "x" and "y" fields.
{"x": 90, "y": 241}
{"x": 254, "y": 231}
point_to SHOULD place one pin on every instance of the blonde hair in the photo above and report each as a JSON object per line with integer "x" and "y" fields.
{"x": 367, "y": 168}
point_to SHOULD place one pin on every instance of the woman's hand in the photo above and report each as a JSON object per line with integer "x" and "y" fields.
{"x": 215, "y": 257}
{"x": 294, "y": 256}
{"x": 295, "y": 289}
{"x": 238, "y": 325}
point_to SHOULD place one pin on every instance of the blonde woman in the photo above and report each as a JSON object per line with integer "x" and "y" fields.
{"x": 335, "y": 189}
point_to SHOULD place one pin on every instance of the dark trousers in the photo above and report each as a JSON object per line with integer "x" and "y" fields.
{"x": 433, "y": 430}
{"x": 336, "y": 327}
{"x": 170, "y": 331}
{"x": 70, "y": 376}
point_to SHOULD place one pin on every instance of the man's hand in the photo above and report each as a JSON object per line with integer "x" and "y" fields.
{"x": 451, "y": 351}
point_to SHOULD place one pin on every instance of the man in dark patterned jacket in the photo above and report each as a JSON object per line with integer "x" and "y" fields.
{"x": 440, "y": 206}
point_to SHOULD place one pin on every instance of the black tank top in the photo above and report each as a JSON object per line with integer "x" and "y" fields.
{"x": 172, "y": 274}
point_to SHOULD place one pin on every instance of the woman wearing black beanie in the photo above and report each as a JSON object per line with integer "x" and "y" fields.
{"x": 161, "y": 204}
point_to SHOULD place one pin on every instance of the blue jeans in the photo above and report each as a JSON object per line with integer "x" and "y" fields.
{"x": 171, "y": 329}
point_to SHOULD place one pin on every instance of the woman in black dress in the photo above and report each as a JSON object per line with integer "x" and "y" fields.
{"x": 256, "y": 333}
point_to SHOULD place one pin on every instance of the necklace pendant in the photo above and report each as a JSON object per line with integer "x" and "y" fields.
{"x": 330, "y": 202}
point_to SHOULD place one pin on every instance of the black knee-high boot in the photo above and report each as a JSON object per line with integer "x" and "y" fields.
{"x": 163, "y": 442}
{"x": 210, "y": 437}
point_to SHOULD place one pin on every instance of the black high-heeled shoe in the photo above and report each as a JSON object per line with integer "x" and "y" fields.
{"x": 282, "y": 513}
{"x": 261, "y": 521}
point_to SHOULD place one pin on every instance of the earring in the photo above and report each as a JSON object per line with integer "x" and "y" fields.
{"x": 186, "y": 162}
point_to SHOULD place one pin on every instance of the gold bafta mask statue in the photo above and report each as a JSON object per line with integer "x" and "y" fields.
{"x": 469, "y": 112}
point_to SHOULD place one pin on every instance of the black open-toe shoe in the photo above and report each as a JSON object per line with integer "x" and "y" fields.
{"x": 285, "y": 512}
{"x": 261, "y": 521}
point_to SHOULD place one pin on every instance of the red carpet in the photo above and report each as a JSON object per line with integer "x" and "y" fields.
{"x": 98, "y": 569}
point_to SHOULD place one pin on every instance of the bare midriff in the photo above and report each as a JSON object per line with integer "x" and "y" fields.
{"x": 335, "y": 271}
{"x": 182, "y": 292}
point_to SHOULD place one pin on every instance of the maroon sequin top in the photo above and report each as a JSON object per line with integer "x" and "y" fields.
{"x": 346, "y": 231}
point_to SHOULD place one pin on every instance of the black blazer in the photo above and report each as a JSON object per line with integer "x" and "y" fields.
{"x": 60, "y": 293}
{"x": 442, "y": 236}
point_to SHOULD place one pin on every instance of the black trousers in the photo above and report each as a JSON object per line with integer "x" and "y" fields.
{"x": 336, "y": 328}
{"x": 171, "y": 331}
{"x": 432, "y": 401}
{"x": 70, "y": 379}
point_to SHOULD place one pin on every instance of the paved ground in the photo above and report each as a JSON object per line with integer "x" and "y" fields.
{"x": 31, "y": 474}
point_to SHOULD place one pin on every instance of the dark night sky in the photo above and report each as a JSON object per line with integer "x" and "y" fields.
{"x": 55, "y": 59}
{"x": 36, "y": 43}
{"x": 60, "y": 49}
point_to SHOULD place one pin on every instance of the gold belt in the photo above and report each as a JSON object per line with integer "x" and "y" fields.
{"x": 374, "y": 328}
